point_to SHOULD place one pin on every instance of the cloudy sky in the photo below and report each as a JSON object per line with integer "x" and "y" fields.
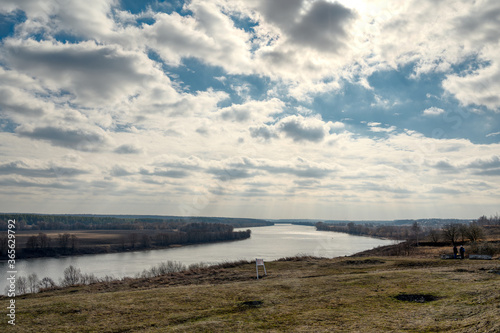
{"x": 251, "y": 108}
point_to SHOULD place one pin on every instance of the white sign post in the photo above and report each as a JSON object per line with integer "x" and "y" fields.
{"x": 260, "y": 262}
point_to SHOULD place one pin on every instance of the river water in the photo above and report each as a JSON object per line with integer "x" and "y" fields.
{"x": 269, "y": 243}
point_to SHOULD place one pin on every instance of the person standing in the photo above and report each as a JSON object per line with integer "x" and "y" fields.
{"x": 462, "y": 252}
{"x": 455, "y": 251}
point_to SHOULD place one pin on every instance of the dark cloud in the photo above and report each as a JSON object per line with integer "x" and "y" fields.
{"x": 323, "y": 26}
{"x": 492, "y": 162}
{"x": 15, "y": 102}
{"x": 19, "y": 168}
{"x": 309, "y": 172}
{"x": 302, "y": 171}
{"x": 255, "y": 192}
{"x": 444, "y": 166}
{"x": 306, "y": 183}
{"x": 79, "y": 139}
{"x": 264, "y": 132}
{"x": 28, "y": 184}
{"x": 152, "y": 181}
{"x": 127, "y": 149}
{"x": 481, "y": 24}
{"x": 103, "y": 184}
{"x": 228, "y": 174}
{"x": 120, "y": 172}
{"x": 297, "y": 130}
{"x": 444, "y": 190}
{"x": 92, "y": 72}
{"x": 165, "y": 173}
{"x": 485, "y": 166}
{"x": 188, "y": 164}
{"x": 281, "y": 12}
{"x": 202, "y": 131}
{"x": 376, "y": 187}
{"x": 237, "y": 114}
{"x": 490, "y": 172}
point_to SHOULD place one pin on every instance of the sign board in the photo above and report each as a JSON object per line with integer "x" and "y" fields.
{"x": 260, "y": 262}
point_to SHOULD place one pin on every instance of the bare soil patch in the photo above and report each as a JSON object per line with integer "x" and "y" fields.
{"x": 419, "y": 298}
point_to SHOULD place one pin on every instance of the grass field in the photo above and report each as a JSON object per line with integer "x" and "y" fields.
{"x": 298, "y": 295}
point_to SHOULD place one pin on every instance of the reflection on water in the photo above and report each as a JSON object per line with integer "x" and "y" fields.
{"x": 270, "y": 243}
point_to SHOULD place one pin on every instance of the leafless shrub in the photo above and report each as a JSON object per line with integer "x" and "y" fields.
{"x": 197, "y": 266}
{"x": 21, "y": 285}
{"x": 484, "y": 248}
{"x": 163, "y": 269}
{"x": 89, "y": 279}
{"x": 33, "y": 282}
{"x": 46, "y": 284}
{"x": 72, "y": 276}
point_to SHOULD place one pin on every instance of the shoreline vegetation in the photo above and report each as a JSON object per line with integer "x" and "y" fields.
{"x": 481, "y": 236}
{"x": 67, "y": 235}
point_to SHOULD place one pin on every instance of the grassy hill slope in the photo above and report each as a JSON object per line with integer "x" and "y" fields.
{"x": 298, "y": 295}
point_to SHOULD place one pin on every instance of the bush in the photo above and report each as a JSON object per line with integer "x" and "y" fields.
{"x": 72, "y": 276}
{"x": 163, "y": 269}
{"x": 46, "y": 284}
{"x": 484, "y": 248}
{"x": 197, "y": 266}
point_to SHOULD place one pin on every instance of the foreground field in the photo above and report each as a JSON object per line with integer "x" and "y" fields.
{"x": 375, "y": 294}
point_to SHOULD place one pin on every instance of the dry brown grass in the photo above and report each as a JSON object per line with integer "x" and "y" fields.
{"x": 310, "y": 295}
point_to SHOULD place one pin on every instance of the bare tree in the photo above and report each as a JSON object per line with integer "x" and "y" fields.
{"x": 33, "y": 283}
{"x": 474, "y": 232}
{"x": 21, "y": 285}
{"x": 462, "y": 231}
{"x": 32, "y": 243}
{"x": 47, "y": 283}
{"x": 133, "y": 239}
{"x": 4, "y": 241}
{"x": 44, "y": 240}
{"x": 89, "y": 279}
{"x": 434, "y": 236}
{"x": 64, "y": 240}
{"x": 415, "y": 228}
{"x": 123, "y": 242}
{"x": 451, "y": 232}
{"x": 146, "y": 241}
{"x": 483, "y": 220}
{"x": 72, "y": 276}
{"x": 73, "y": 241}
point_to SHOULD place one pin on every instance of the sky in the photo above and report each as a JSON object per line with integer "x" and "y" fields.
{"x": 314, "y": 109}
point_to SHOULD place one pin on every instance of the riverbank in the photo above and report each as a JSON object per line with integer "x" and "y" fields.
{"x": 63, "y": 243}
{"x": 298, "y": 295}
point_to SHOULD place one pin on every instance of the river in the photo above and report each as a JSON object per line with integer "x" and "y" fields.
{"x": 269, "y": 243}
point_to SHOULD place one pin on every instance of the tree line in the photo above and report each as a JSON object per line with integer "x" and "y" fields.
{"x": 42, "y": 245}
{"x": 382, "y": 231}
{"x": 76, "y": 222}
{"x": 71, "y": 276}
{"x": 473, "y": 233}
{"x": 181, "y": 237}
